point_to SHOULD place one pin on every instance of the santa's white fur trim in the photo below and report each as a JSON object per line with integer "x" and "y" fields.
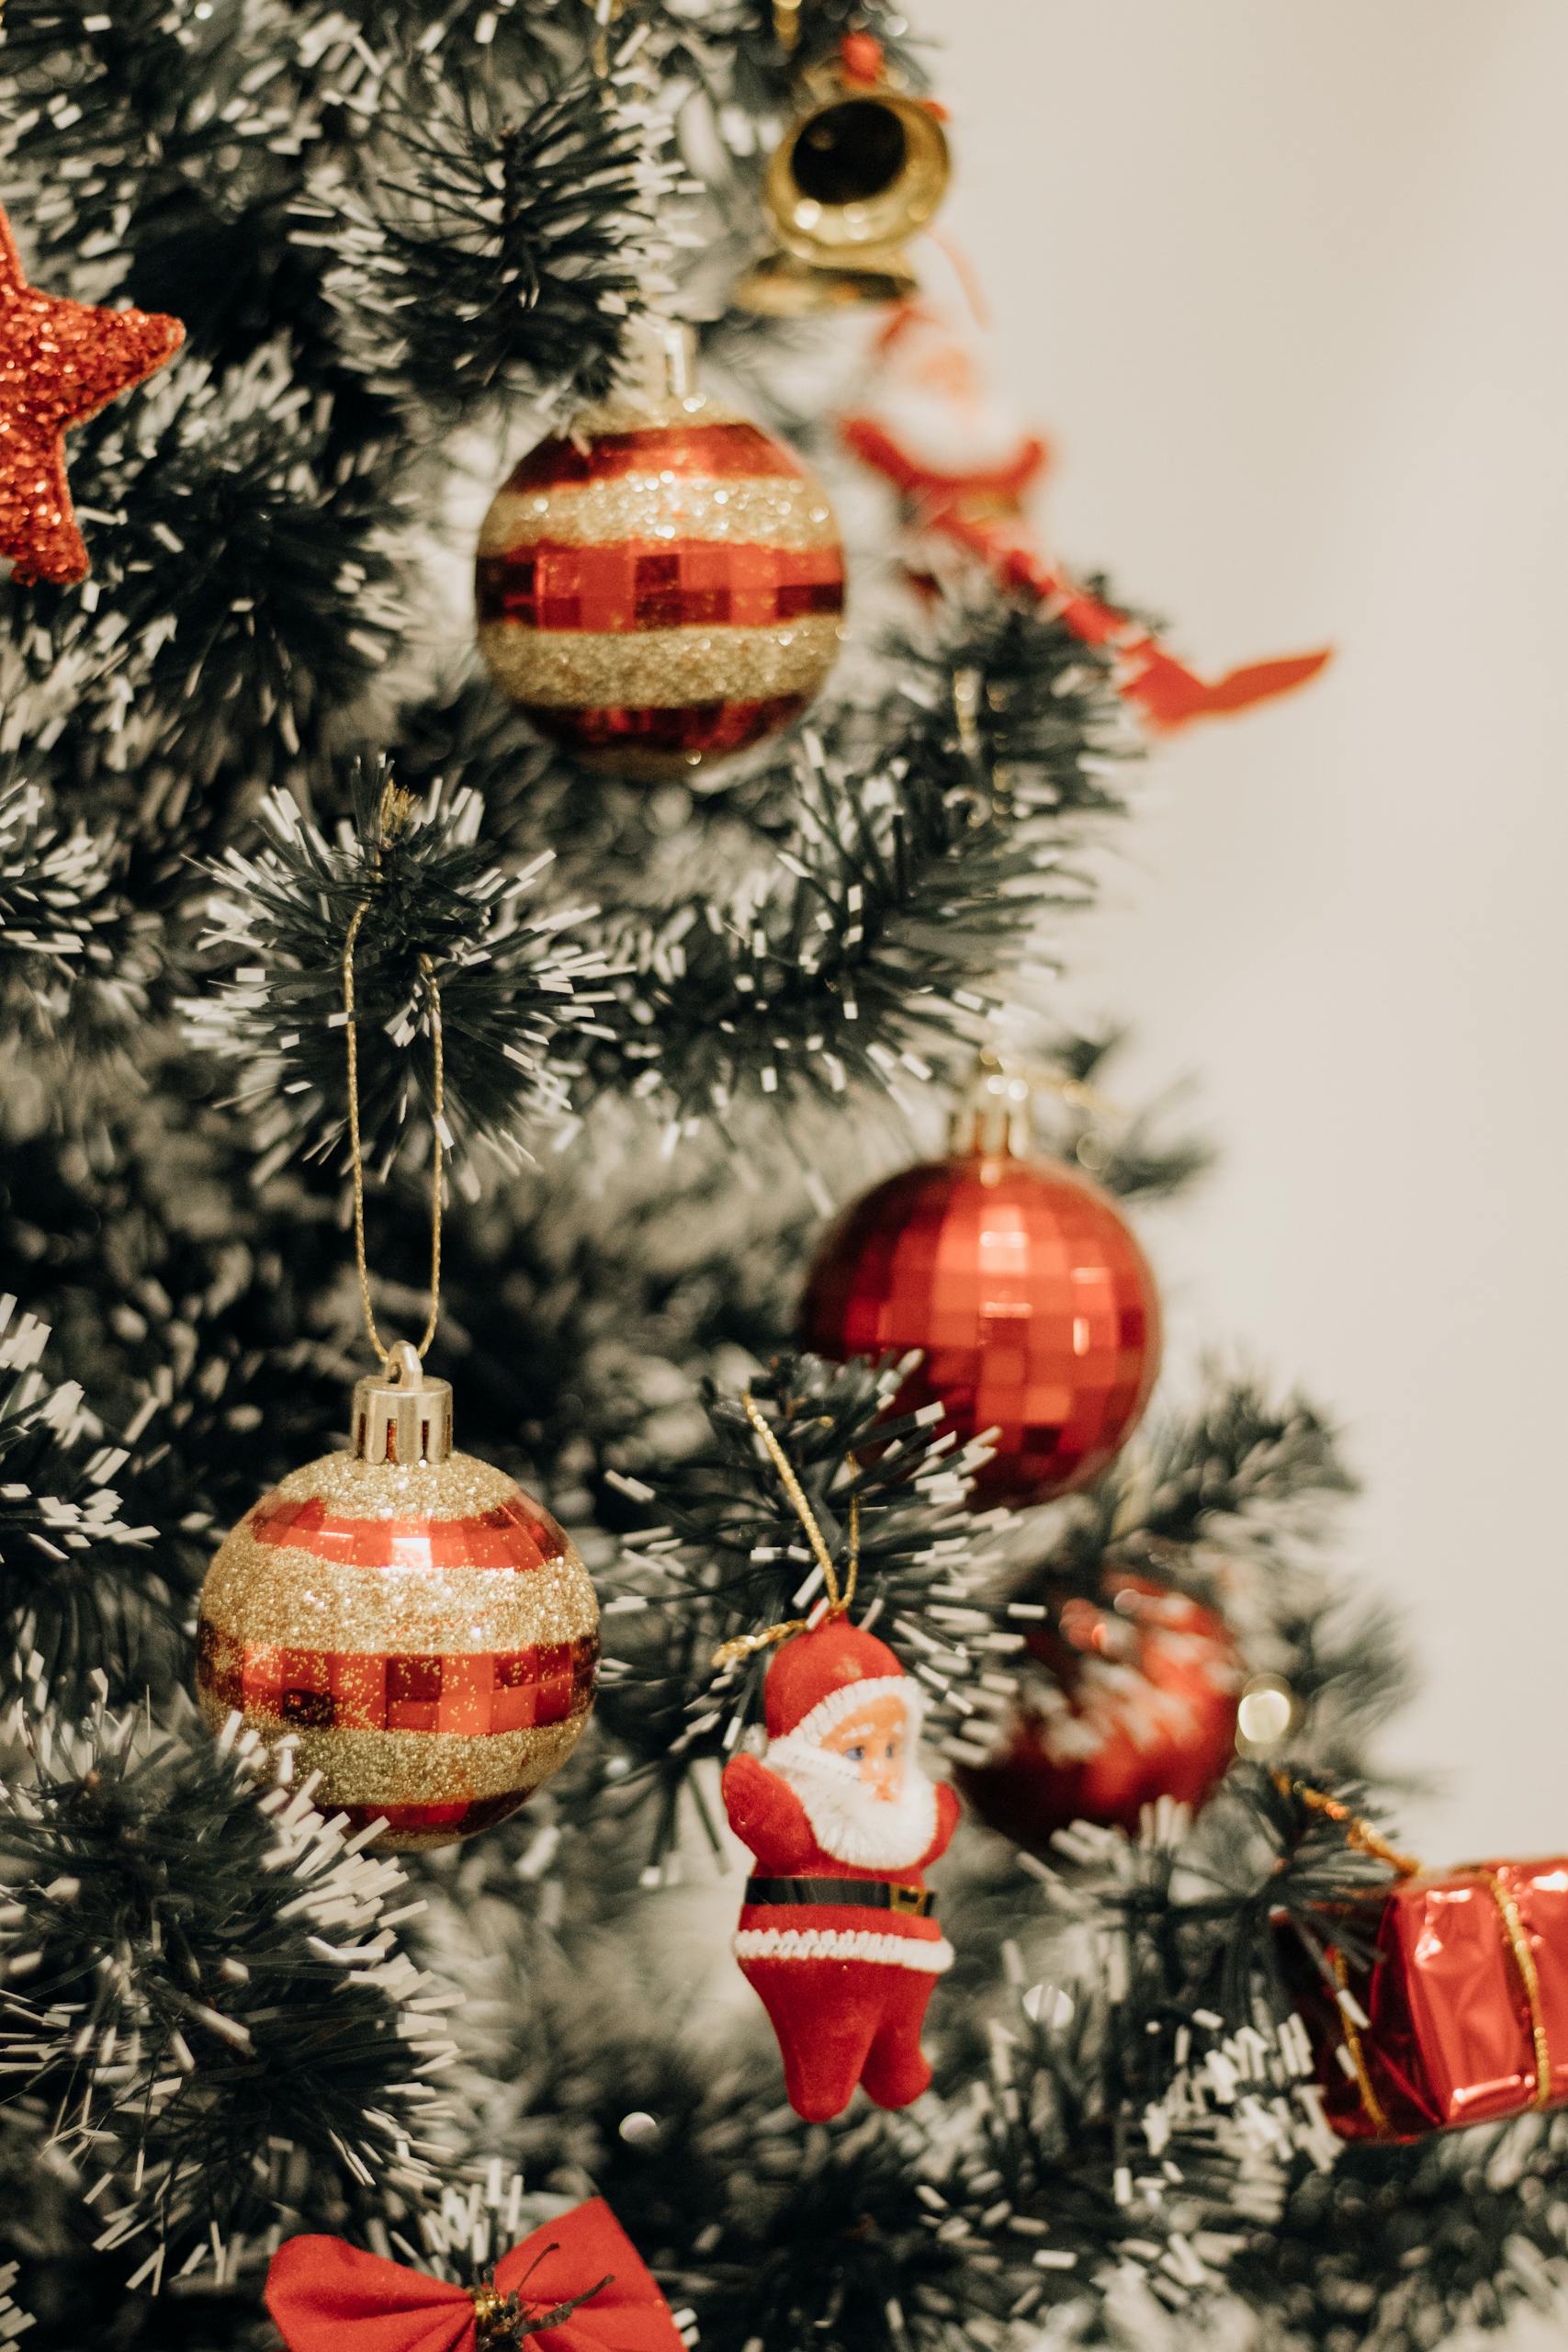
{"x": 851, "y": 1821}
{"x": 930, "y": 1954}
{"x": 848, "y": 1700}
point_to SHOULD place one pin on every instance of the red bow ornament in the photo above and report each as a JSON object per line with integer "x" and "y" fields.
{"x": 578, "y": 2285}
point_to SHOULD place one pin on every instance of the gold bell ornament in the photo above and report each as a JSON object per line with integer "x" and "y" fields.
{"x": 862, "y": 169}
{"x": 418, "y": 1630}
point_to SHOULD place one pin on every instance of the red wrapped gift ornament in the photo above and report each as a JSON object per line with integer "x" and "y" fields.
{"x": 1460, "y": 2017}
{"x": 577, "y": 2285}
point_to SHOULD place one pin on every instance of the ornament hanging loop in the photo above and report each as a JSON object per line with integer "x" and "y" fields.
{"x": 840, "y": 1597}
{"x": 1360, "y": 1834}
{"x": 996, "y": 1113}
{"x": 394, "y": 815}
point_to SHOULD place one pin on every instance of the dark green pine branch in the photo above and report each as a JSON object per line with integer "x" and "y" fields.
{"x": 834, "y": 2238}
{"x": 932, "y": 835}
{"x": 510, "y": 984}
{"x": 232, "y": 546}
{"x": 204, "y": 2002}
{"x": 1242, "y": 1469}
{"x": 1104, "y": 2170}
{"x": 732, "y": 1558}
{"x": 504, "y": 237}
{"x": 82, "y": 1602}
{"x": 78, "y": 959}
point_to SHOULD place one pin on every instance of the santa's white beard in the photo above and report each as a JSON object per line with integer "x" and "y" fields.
{"x": 848, "y": 1819}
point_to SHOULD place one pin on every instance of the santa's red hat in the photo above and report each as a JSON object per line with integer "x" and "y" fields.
{"x": 818, "y": 1679}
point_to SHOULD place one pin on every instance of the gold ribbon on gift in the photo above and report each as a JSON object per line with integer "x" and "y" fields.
{"x": 839, "y": 1596}
{"x": 1361, "y": 1836}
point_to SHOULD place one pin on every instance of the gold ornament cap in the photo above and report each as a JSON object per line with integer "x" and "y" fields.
{"x": 995, "y": 1115}
{"x": 659, "y": 361}
{"x": 399, "y": 1416}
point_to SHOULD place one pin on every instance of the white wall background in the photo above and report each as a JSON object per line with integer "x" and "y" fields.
{"x": 1286, "y": 284}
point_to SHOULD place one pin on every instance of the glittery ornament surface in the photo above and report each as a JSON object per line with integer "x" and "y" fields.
{"x": 1033, "y": 1306}
{"x": 1141, "y": 1703}
{"x": 664, "y": 586}
{"x": 426, "y": 1635}
{"x": 60, "y": 364}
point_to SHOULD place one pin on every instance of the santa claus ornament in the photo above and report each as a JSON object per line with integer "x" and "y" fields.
{"x": 663, "y": 585}
{"x": 838, "y": 1934}
{"x": 1031, "y": 1305}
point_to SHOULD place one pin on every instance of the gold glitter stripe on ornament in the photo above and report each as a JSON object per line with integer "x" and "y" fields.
{"x": 382, "y": 1768}
{"x": 459, "y": 1488}
{"x": 771, "y": 511}
{"x": 660, "y": 669}
{"x": 268, "y": 1592}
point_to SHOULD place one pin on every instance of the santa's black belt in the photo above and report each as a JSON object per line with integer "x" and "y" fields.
{"x": 859, "y": 1893}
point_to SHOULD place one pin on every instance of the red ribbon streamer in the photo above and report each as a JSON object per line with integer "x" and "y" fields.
{"x": 327, "y": 2296}
{"x": 966, "y": 513}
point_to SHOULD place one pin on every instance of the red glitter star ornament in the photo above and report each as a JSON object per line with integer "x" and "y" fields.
{"x": 59, "y": 363}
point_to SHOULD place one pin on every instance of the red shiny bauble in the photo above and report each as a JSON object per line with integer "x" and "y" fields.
{"x": 1032, "y": 1303}
{"x": 660, "y": 587}
{"x": 1139, "y": 1702}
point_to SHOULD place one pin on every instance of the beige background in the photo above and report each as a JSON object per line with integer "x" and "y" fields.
{"x": 1285, "y": 282}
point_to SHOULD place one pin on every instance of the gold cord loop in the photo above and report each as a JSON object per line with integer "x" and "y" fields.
{"x": 840, "y": 1597}
{"x": 1524, "y": 1960}
{"x": 1358, "y": 1834}
{"x": 357, "y": 1157}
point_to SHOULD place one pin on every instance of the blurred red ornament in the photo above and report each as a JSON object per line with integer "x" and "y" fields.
{"x": 1033, "y": 1306}
{"x": 1139, "y": 1702}
{"x": 661, "y": 586}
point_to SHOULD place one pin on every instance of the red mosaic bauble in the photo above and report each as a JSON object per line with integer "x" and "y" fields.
{"x": 423, "y": 1632}
{"x": 661, "y": 587}
{"x": 1141, "y": 1703}
{"x": 1033, "y": 1305}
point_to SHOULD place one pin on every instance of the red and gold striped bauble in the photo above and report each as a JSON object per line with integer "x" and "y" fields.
{"x": 660, "y": 587}
{"x": 424, "y": 1635}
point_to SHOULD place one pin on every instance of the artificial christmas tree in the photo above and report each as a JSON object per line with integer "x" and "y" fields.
{"x": 632, "y": 1037}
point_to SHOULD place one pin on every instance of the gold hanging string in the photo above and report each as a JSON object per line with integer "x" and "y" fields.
{"x": 357, "y": 1157}
{"x": 1376, "y": 2113}
{"x": 1365, "y": 1840}
{"x": 608, "y": 13}
{"x": 1075, "y": 1092}
{"x": 840, "y": 1597}
{"x": 1524, "y": 1960}
{"x": 1360, "y": 1834}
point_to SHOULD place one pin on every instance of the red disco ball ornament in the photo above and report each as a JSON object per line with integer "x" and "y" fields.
{"x": 1031, "y": 1303}
{"x": 1138, "y": 1701}
{"x": 661, "y": 586}
{"x": 423, "y": 1632}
